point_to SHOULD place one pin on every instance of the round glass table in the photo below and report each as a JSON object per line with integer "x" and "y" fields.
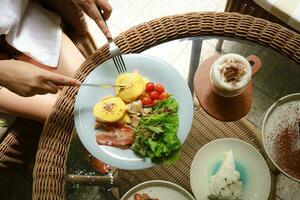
{"x": 64, "y": 169}
{"x": 277, "y": 77}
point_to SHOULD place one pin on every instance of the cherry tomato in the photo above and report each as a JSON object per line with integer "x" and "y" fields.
{"x": 146, "y": 100}
{"x": 154, "y": 102}
{"x": 159, "y": 88}
{"x": 163, "y": 95}
{"x": 146, "y": 94}
{"x": 150, "y": 87}
{"x": 154, "y": 95}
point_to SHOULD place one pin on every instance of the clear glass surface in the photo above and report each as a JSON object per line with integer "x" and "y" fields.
{"x": 278, "y": 76}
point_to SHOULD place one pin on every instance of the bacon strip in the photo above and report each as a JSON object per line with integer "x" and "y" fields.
{"x": 117, "y": 136}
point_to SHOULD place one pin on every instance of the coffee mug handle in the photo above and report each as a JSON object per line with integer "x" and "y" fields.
{"x": 255, "y": 63}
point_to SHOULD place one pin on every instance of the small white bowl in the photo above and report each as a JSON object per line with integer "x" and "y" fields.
{"x": 254, "y": 171}
{"x": 159, "y": 189}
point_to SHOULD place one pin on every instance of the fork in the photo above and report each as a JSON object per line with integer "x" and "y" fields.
{"x": 115, "y": 53}
{"x": 117, "y": 56}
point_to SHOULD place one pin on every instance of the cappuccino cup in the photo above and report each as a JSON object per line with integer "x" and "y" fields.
{"x": 230, "y": 74}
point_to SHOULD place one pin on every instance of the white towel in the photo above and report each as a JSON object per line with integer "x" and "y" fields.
{"x": 31, "y": 29}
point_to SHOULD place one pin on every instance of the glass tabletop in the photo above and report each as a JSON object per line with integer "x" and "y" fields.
{"x": 278, "y": 76}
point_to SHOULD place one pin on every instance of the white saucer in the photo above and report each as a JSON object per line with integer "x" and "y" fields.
{"x": 249, "y": 162}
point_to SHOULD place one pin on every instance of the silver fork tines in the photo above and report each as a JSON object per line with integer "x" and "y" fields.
{"x": 119, "y": 63}
{"x": 117, "y": 57}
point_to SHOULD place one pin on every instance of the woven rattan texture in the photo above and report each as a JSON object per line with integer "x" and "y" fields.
{"x": 14, "y": 152}
{"x": 54, "y": 143}
{"x": 249, "y": 7}
{"x": 204, "y": 130}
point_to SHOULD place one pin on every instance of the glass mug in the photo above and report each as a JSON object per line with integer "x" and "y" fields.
{"x": 232, "y": 66}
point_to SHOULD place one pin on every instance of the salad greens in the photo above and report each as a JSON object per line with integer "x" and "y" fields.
{"x": 156, "y": 134}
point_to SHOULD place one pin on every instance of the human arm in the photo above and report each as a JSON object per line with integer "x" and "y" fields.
{"x": 94, "y": 8}
{"x": 26, "y": 79}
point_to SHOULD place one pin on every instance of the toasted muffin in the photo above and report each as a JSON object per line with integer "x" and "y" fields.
{"x": 109, "y": 109}
{"x": 125, "y": 119}
{"x": 134, "y": 86}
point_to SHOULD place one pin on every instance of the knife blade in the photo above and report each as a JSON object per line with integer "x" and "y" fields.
{"x": 101, "y": 85}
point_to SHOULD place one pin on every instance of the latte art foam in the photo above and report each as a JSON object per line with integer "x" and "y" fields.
{"x": 230, "y": 74}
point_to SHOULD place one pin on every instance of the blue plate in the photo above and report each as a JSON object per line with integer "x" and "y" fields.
{"x": 156, "y": 71}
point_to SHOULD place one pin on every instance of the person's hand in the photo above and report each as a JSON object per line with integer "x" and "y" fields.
{"x": 27, "y": 80}
{"x": 99, "y": 11}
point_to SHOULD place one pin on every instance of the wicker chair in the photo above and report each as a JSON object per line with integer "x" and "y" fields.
{"x": 50, "y": 168}
{"x": 18, "y": 147}
{"x": 249, "y": 7}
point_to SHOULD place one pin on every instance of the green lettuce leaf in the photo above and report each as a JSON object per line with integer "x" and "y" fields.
{"x": 156, "y": 135}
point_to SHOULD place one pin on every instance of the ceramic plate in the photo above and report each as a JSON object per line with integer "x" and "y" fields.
{"x": 249, "y": 162}
{"x": 156, "y": 71}
{"x": 160, "y": 190}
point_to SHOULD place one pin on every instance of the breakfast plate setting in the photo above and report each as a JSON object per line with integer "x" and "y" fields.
{"x": 229, "y": 168}
{"x": 149, "y": 110}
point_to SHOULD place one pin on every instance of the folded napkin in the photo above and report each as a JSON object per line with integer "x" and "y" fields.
{"x": 31, "y": 29}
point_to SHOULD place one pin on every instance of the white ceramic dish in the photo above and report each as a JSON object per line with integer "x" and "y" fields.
{"x": 160, "y": 190}
{"x": 156, "y": 71}
{"x": 249, "y": 162}
{"x": 269, "y": 140}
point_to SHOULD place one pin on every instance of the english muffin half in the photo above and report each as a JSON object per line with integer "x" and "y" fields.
{"x": 134, "y": 86}
{"x": 109, "y": 109}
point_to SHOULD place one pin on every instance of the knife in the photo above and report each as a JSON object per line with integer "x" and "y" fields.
{"x": 102, "y": 85}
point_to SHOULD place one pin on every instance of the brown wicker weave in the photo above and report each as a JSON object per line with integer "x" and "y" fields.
{"x": 54, "y": 143}
{"x": 12, "y": 153}
{"x": 249, "y": 7}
